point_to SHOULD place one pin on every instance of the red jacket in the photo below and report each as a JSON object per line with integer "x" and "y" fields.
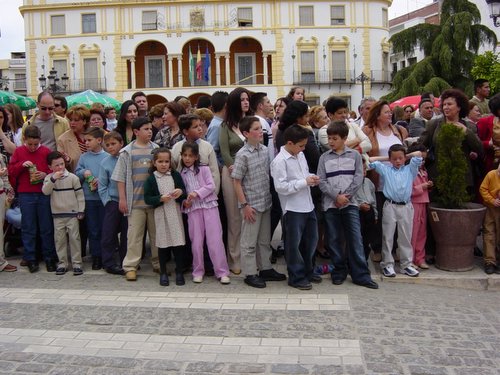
{"x": 485, "y": 132}
{"x": 19, "y": 176}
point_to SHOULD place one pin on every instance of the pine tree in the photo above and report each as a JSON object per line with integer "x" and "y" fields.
{"x": 449, "y": 49}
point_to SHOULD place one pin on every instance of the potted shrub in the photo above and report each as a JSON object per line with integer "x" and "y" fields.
{"x": 454, "y": 220}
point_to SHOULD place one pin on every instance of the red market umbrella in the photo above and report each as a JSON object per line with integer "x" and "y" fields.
{"x": 413, "y": 100}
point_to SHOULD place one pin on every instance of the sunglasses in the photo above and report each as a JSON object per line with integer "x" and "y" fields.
{"x": 46, "y": 108}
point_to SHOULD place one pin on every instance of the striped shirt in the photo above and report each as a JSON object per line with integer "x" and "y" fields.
{"x": 141, "y": 161}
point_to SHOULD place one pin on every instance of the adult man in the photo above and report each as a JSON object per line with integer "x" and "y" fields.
{"x": 61, "y": 105}
{"x": 51, "y": 125}
{"x": 141, "y": 101}
{"x": 482, "y": 91}
{"x": 218, "y": 100}
{"x": 424, "y": 114}
{"x": 364, "y": 107}
{"x": 262, "y": 108}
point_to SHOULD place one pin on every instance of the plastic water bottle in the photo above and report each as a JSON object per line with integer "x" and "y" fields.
{"x": 322, "y": 269}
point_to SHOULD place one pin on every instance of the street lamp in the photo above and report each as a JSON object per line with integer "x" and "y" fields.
{"x": 293, "y": 65}
{"x": 494, "y": 11}
{"x": 53, "y": 82}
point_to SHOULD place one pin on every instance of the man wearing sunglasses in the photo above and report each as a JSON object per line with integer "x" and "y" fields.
{"x": 51, "y": 125}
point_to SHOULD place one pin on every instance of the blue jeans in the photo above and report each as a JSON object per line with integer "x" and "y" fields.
{"x": 36, "y": 213}
{"x": 114, "y": 222}
{"x": 346, "y": 222}
{"x": 301, "y": 238}
{"x": 94, "y": 214}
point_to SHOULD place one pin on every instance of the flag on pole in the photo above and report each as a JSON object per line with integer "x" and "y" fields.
{"x": 191, "y": 69}
{"x": 198, "y": 65}
{"x": 206, "y": 66}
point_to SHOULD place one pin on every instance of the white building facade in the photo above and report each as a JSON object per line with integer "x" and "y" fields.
{"x": 119, "y": 47}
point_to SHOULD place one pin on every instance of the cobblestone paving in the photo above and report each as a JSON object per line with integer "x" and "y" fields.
{"x": 405, "y": 329}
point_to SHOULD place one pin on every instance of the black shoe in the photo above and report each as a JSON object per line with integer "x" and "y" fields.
{"x": 164, "y": 280}
{"x": 271, "y": 275}
{"x": 115, "y": 270}
{"x": 179, "y": 278}
{"x": 490, "y": 269}
{"x": 315, "y": 279}
{"x": 51, "y": 266}
{"x": 304, "y": 285}
{"x": 33, "y": 267}
{"x": 77, "y": 271}
{"x": 255, "y": 281}
{"x": 96, "y": 263}
{"x": 368, "y": 284}
{"x": 60, "y": 270}
{"x": 338, "y": 281}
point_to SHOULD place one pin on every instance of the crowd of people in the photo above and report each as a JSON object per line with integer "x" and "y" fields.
{"x": 210, "y": 183}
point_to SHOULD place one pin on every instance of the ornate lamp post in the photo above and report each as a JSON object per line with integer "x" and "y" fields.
{"x": 494, "y": 11}
{"x": 53, "y": 82}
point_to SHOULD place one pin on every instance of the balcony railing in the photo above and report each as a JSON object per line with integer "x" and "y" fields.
{"x": 323, "y": 77}
{"x": 380, "y": 76}
{"x": 78, "y": 85}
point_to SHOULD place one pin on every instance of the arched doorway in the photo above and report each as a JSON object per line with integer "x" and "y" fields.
{"x": 151, "y": 65}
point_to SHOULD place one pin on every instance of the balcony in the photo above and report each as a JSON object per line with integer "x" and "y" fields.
{"x": 78, "y": 85}
{"x": 380, "y": 76}
{"x": 323, "y": 77}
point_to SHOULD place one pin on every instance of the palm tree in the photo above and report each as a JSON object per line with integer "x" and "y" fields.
{"x": 449, "y": 49}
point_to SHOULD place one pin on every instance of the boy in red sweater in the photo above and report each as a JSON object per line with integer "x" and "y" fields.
{"x": 27, "y": 169}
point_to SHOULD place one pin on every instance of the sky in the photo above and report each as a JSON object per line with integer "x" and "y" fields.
{"x": 12, "y": 24}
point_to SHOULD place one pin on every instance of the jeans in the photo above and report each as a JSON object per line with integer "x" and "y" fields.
{"x": 346, "y": 221}
{"x": 35, "y": 211}
{"x": 94, "y": 213}
{"x": 114, "y": 222}
{"x": 301, "y": 237}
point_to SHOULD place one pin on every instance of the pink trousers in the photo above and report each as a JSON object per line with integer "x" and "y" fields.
{"x": 205, "y": 223}
{"x": 419, "y": 233}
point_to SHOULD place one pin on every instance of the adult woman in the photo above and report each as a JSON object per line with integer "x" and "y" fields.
{"x": 382, "y": 135}
{"x": 488, "y": 131}
{"x": 156, "y": 117}
{"x": 71, "y": 142}
{"x": 7, "y": 145}
{"x": 170, "y": 134}
{"x": 455, "y": 108}
{"x": 279, "y": 108}
{"x": 474, "y": 113}
{"x": 336, "y": 109}
{"x": 98, "y": 118}
{"x": 407, "y": 112}
{"x": 128, "y": 113}
{"x": 16, "y": 122}
{"x": 318, "y": 119}
{"x": 231, "y": 140}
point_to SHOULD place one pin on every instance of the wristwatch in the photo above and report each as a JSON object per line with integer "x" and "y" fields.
{"x": 243, "y": 205}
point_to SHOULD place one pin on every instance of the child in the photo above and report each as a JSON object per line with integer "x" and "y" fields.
{"x": 87, "y": 170}
{"x": 203, "y": 215}
{"x": 130, "y": 173}
{"x": 251, "y": 184}
{"x": 190, "y": 126}
{"x": 67, "y": 203}
{"x": 111, "y": 121}
{"x": 292, "y": 181}
{"x": 490, "y": 192}
{"x": 5, "y": 190}
{"x": 368, "y": 215}
{"x": 420, "y": 200}
{"x": 398, "y": 210}
{"x": 165, "y": 190}
{"x": 341, "y": 174}
{"x": 27, "y": 169}
{"x": 113, "y": 222}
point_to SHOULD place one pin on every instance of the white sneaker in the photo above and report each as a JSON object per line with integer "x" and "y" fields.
{"x": 225, "y": 280}
{"x": 410, "y": 271}
{"x": 388, "y": 271}
{"x": 197, "y": 279}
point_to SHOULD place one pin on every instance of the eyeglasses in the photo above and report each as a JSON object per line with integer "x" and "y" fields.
{"x": 408, "y": 111}
{"x": 46, "y": 108}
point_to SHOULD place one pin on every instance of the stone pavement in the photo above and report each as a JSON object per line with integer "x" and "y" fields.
{"x": 101, "y": 324}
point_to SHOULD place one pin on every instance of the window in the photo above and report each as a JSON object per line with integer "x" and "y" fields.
{"x": 90, "y": 74}
{"x": 88, "y": 23}
{"x": 338, "y": 66}
{"x": 245, "y": 68}
{"x": 155, "y": 71}
{"x": 307, "y": 66}
{"x": 245, "y": 17}
{"x": 412, "y": 60}
{"x": 337, "y": 15}
{"x": 385, "y": 18}
{"x": 61, "y": 66}
{"x": 20, "y": 81}
{"x": 385, "y": 66}
{"x": 57, "y": 25}
{"x": 306, "y": 16}
{"x": 403, "y": 64}
{"x": 149, "y": 20}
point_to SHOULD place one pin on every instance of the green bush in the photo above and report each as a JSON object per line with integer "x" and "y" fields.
{"x": 451, "y": 167}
